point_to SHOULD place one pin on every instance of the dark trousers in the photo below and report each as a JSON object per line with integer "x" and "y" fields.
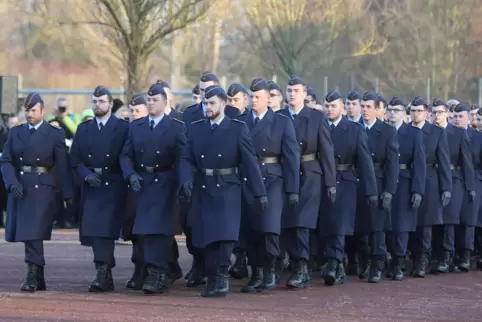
{"x": 137, "y": 250}
{"x": 261, "y": 247}
{"x": 399, "y": 244}
{"x": 197, "y": 253}
{"x": 335, "y": 247}
{"x": 218, "y": 256}
{"x": 421, "y": 241}
{"x": 297, "y": 243}
{"x": 316, "y": 244}
{"x": 373, "y": 244}
{"x": 103, "y": 249}
{"x": 156, "y": 249}
{"x": 464, "y": 237}
{"x": 34, "y": 252}
{"x": 444, "y": 238}
{"x": 173, "y": 253}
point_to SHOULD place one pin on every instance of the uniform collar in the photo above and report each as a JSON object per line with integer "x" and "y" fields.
{"x": 335, "y": 122}
{"x": 369, "y": 126}
{"x": 36, "y": 126}
{"x": 259, "y": 116}
{"x": 218, "y": 122}
{"x": 156, "y": 119}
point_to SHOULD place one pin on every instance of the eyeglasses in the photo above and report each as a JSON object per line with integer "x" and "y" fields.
{"x": 395, "y": 110}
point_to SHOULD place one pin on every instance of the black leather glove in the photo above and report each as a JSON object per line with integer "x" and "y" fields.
{"x": 135, "y": 181}
{"x": 446, "y": 196}
{"x": 263, "y": 202}
{"x": 17, "y": 190}
{"x": 293, "y": 200}
{"x": 187, "y": 189}
{"x": 331, "y": 192}
{"x": 93, "y": 180}
{"x": 471, "y": 196}
{"x": 416, "y": 200}
{"x": 372, "y": 202}
{"x": 386, "y": 198}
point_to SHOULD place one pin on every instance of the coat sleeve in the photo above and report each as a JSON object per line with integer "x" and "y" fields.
{"x": 62, "y": 163}
{"x": 249, "y": 162}
{"x": 180, "y": 144}
{"x": 6, "y": 162}
{"x": 364, "y": 164}
{"x": 76, "y": 156}
{"x": 127, "y": 157}
{"x": 443, "y": 163}
{"x": 392, "y": 162}
{"x": 187, "y": 163}
{"x": 467, "y": 164}
{"x": 326, "y": 154}
{"x": 290, "y": 159}
{"x": 419, "y": 166}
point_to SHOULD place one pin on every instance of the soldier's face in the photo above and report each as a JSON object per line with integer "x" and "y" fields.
{"x": 479, "y": 122}
{"x": 296, "y": 95}
{"x": 418, "y": 114}
{"x": 237, "y": 101}
{"x": 334, "y": 109}
{"x": 353, "y": 108}
{"x": 369, "y": 113}
{"x": 259, "y": 100}
{"x": 396, "y": 114}
{"x": 101, "y": 105}
{"x": 35, "y": 114}
{"x": 138, "y": 111}
{"x": 202, "y": 88}
{"x": 381, "y": 110}
{"x": 275, "y": 98}
{"x": 309, "y": 101}
{"x": 196, "y": 98}
{"x": 156, "y": 104}
{"x": 439, "y": 115}
{"x": 461, "y": 119}
{"x": 214, "y": 107}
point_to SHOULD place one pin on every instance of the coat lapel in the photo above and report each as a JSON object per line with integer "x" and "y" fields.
{"x": 24, "y": 134}
{"x": 163, "y": 125}
{"x": 263, "y": 124}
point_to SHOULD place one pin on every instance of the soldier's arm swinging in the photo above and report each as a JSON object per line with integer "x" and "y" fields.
{"x": 443, "y": 163}
{"x": 419, "y": 167}
{"x": 392, "y": 163}
{"x": 290, "y": 160}
{"x": 467, "y": 164}
{"x": 76, "y": 157}
{"x": 127, "y": 157}
{"x": 62, "y": 162}
{"x": 326, "y": 154}
{"x": 8, "y": 169}
{"x": 187, "y": 162}
{"x": 364, "y": 165}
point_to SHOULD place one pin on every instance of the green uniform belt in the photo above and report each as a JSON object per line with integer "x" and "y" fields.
{"x": 270, "y": 160}
{"x": 219, "y": 172}
{"x": 30, "y": 169}
{"x": 344, "y": 167}
{"x": 309, "y": 157}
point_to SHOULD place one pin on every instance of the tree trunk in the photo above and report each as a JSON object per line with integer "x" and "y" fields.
{"x": 133, "y": 74}
{"x": 218, "y": 22}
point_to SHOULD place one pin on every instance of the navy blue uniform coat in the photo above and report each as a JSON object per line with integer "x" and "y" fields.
{"x": 351, "y": 147}
{"x": 216, "y": 200}
{"x": 313, "y": 136}
{"x": 31, "y": 217}
{"x": 161, "y": 147}
{"x": 103, "y": 208}
{"x": 193, "y": 113}
{"x": 411, "y": 180}
{"x": 273, "y": 136}
{"x": 470, "y": 211}
{"x": 462, "y": 172}
{"x": 383, "y": 146}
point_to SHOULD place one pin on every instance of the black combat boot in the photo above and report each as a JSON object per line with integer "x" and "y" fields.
{"x": 256, "y": 282}
{"x": 269, "y": 274}
{"x": 210, "y": 287}
{"x": 102, "y": 282}
{"x": 300, "y": 277}
{"x": 30, "y": 283}
{"x": 156, "y": 281}
{"x": 279, "y": 269}
{"x": 221, "y": 284}
{"x": 175, "y": 272}
{"x": 331, "y": 272}
{"x": 41, "y": 286}
{"x": 363, "y": 265}
{"x": 443, "y": 265}
{"x": 375, "y": 272}
{"x": 464, "y": 261}
{"x": 352, "y": 265}
{"x": 196, "y": 275}
{"x": 137, "y": 279}
{"x": 396, "y": 268}
{"x": 420, "y": 266}
{"x": 239, "y": 269}
{"x": 340, "y": 274}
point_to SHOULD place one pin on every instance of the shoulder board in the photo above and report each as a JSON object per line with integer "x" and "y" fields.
{"x": 198, "y": 121}
{"x": 18, "y": 126}
{"x": 190, "y": 106}
{"x": 283, "y": 115}
{"x": 124, "y": 120}
{"x": 179, "y": 121}
{"x": 53, "y": 127}
{"x": 239, "y": 121}
{"x": 356, "y": 123}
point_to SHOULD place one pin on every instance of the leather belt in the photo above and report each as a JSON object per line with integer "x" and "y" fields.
{"x": 378, "y": 165}
{"x": 453, "y": 167}
{"x": 219, "y": 172}
{"x": 155, "y": 169}
{"x": 270, "y": 160}
{"x": 432, "y": 165}
{"x": 30, "y": 169}
{"x": 405, "y": 166}
{"x": 309, "y": 157}
{"x": 344, "y": 167}
{"x": 104, "y": 170}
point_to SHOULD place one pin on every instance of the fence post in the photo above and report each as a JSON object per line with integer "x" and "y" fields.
{"x": 480, "y": 91}
{"x": 377, "y": 85}
{"x": 429, "y": 99}
{"x": 275, "y": 78}
{"x": 325, "y": 85}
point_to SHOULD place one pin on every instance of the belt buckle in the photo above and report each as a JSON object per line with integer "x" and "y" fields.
{"x": 209, "y": 172}
{"x": 98, "y": 170}
{"x": 27, "y": 168}
{"x": 149, "y": 169}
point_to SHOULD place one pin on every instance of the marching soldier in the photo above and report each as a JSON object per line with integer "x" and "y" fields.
{"x": 148, "y": 163}
{"x": 465, "y": 231}
{"x": 473, "y": 115}
{"x": 236, "y": 101}
{"x": 275, "y": 144}
{"x": 169, "y": 110}
{"x": 352, "y": 156}
{"x": 95, "y": 158}
{"x": 197, "y": 112}
{"x": 353, "y": 107}
{"x": 275, "y": 96}
{"x": 411, "y": 185}
{"x": 30, "y": 153}
{"x": 372, "y": 224}
{"x": 317, "y": 176}
{"x": 310, "y": 99}
{"x": 215, "y": 149}
{"x": 196, "y": 94}
{"x": 381, "y": 108}
{"x": 462, "y": 183}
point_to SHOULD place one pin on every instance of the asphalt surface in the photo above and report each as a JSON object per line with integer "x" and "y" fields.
{"x": 69, "y": 270}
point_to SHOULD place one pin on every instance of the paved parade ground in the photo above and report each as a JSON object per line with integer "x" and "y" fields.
{"x": 454, "y": 297}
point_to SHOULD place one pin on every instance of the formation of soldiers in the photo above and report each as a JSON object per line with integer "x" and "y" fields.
{"x": 331, "y": 187}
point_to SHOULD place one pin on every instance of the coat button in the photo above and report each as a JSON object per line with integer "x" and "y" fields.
{"x": 262, "y": 163}
{"x": 301, "y": 173}
{"x": 142, "y": 165}
{"x": 157, "y": 165}
{"x": 219, "y": 155}
{"x": 337, "y": 182}
{"x": 36, "y": 186}
{"x": 158, "y": 152}
{"x": 217, "y": 185}
{"x": 38, "y": 159}
{"x": 203, "y": 186}
{"x": 264, "y": 150}
{"x": 245, "y": 179}
{"x": 106, "y": 183}
{"x": 155, "y": 180}
{"x": 107, "y": 155}
{"x": 21, "y": 173}
{"x": 142, "y": 151}
{"x": 358, "y": 180}
{"x": 21, "y": 159}
{"x": 90, "y": 155}
{"x": 39, "y": 173}
{"x": 264, "y": 178}
{"x": 106, "y": 168}
{"x": 301, "y": 143}
{"x": 202, "y": 156}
